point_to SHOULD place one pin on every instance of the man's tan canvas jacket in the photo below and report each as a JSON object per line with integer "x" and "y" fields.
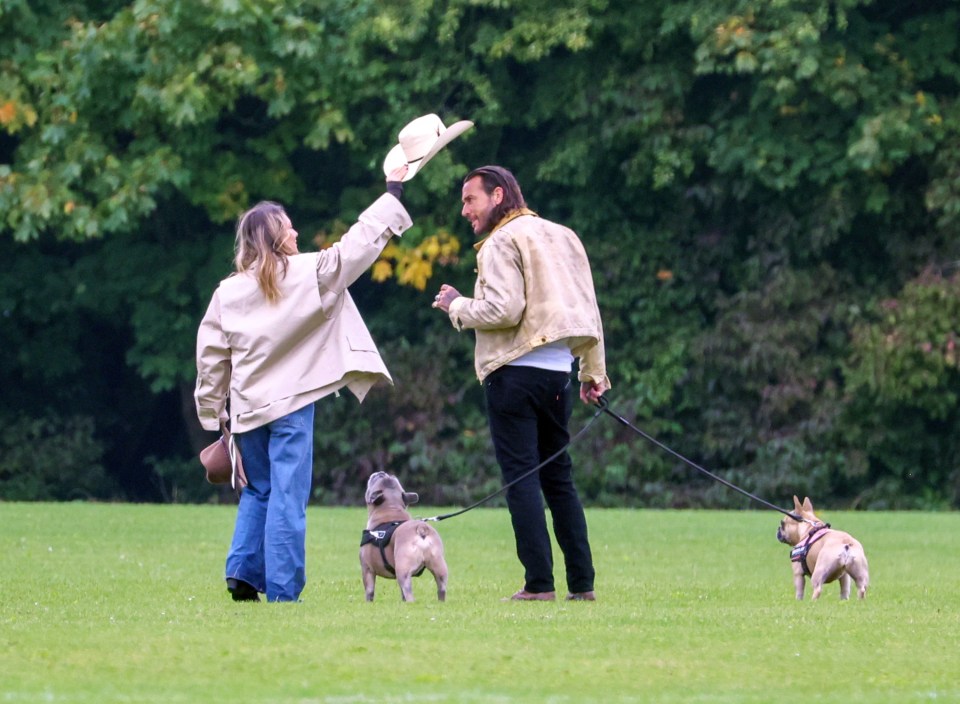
{"x": 276, "y": 358}
{"x": 534, "y": 287}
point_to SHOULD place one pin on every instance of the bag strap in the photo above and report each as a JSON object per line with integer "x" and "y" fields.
{"x": 233, "y": 451}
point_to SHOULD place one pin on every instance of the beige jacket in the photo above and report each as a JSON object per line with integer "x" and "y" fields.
{"x": 276, "y": 358}
{"x": 534, "y": 286}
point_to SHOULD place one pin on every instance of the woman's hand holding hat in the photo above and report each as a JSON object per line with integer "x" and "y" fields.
{"x": 419, "y": 141}
{"x": 395, "y": 181}
{"x": 398, "y": 173}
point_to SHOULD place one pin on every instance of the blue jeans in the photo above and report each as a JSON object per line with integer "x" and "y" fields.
{"x": 269, "y": 539}
{"x": 529, "y": 410}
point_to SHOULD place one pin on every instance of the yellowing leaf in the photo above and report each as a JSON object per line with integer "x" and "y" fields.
{"x": 431, "y": 247}
{"x": 416, "y": 273}
{"x": 8, "y": 112}
{"x": 382, "y": 270}
{"x": 391, "y": 251}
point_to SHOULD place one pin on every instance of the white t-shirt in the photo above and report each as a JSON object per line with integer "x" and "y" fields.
{"x": 555, "y": 356}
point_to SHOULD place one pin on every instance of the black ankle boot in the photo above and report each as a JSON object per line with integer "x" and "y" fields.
{"x": 241, "y": 591}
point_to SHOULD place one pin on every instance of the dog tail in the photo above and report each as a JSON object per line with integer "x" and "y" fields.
{"x": 428, "y": 534}
{"x": 846, "y": 557}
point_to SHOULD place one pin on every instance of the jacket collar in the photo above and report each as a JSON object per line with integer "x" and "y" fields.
{"x": 512, "y": 215}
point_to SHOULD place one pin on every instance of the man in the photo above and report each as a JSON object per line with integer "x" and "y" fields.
{"x": 534, "y": 310}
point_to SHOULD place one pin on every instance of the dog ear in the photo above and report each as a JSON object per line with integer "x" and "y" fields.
{"x": 410, "y": 497}
{"x": 807, "y": 506}
{"x": 375, "y": 497}
{"x": 796, "y": 504}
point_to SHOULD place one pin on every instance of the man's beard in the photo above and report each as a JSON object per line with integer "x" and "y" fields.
{"x": 486, "y": 223}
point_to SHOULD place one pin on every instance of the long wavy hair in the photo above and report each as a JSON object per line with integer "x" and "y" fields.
{"x": 492, "y": 177}
{"x": 259, "y": 233}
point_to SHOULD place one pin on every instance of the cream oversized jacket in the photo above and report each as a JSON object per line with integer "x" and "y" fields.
{"x": 534, "y": 286}
{"x": 276, "y": 358}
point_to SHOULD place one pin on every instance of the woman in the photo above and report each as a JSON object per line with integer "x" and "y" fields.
{"x": 279, "y": 334}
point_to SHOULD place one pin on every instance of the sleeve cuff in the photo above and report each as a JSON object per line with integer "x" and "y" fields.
{"x": 455, "y": 307}
{"x": 389, "y": 213}
{"x": 603, "y": 380}
{"x": 210, "y": 421}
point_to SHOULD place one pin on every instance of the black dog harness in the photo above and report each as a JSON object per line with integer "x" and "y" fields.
{"x": 799, "y": 553}
{"x": 381, "y": 536}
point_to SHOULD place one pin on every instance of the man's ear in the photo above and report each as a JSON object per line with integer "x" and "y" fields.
{"x": 497, "y": 195}
{"x": 410, "y": 497}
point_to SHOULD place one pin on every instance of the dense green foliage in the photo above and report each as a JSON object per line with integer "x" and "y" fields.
{"x": 769, "y": 192}
{"x": 114, "y": 604}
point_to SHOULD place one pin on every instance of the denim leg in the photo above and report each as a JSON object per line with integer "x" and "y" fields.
{"x": 513, "y": 428}
{"x": 245, "y": 560}
{"x": 291, "y": 472}
{"x": 269, "y": 540}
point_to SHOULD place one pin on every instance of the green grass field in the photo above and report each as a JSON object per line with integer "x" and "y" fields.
{"x": 126, "y": 603}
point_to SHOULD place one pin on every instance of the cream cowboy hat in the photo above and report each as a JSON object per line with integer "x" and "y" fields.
{"x": 420, "y": 141}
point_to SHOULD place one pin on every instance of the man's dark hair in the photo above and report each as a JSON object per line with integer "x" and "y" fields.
{"x": 494, "y": 176}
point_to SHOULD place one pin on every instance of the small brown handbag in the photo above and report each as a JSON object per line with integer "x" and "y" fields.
{"x": 222, "y": 461}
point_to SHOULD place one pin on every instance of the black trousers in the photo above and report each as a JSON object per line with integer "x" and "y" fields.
{"x": 529, "y": 410}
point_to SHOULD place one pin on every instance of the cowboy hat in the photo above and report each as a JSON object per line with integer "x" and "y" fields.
{"x": 420, "y": 141}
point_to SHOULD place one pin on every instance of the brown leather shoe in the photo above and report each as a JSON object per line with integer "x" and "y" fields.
{"x": 581, "y": 596}
{"x": 524, "y": 595}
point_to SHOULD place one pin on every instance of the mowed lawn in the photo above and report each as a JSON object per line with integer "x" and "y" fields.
{"x": 126, "y": 603}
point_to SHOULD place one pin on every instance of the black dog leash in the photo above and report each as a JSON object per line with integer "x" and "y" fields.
{"x": 523, "y": 476}
{"x": 605, "y": 408}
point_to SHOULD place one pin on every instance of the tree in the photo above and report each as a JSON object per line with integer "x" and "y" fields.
{"x": 752, "y": 180}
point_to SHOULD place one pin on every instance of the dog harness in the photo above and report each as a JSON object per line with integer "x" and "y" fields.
{"x": 381, "y": 536}
{"x": 799, "y": 553}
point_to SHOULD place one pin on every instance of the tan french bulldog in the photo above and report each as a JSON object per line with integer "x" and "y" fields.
{"x": 394, "y": 546}
{"x": 822, "y": 553}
